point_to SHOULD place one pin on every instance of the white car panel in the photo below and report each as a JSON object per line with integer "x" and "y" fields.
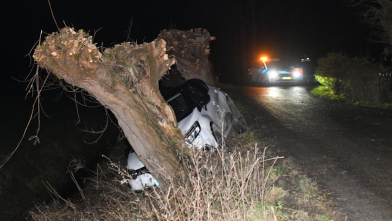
{"x": 205, "y": 137}
{"x": 142, "y": 181}
{"x": 216, "y": 112}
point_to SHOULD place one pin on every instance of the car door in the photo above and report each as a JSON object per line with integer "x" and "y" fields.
{"x": 203, "y": 94}
{"x": 197, "y": 92}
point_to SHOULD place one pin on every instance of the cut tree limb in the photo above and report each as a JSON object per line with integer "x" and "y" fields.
{"x": 191, "y": 50}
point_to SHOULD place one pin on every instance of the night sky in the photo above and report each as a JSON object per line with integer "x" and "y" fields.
{"x": 284, "y": 27}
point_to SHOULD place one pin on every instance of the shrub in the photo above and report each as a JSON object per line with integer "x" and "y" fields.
{"x": 355, "y": 78}
{"x": 328, "y": 82}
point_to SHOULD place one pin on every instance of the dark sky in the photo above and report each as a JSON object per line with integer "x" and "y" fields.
{"x": 285, "y": 27}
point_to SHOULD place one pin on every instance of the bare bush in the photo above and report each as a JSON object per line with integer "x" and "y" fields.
{"x": 211, "y": 186}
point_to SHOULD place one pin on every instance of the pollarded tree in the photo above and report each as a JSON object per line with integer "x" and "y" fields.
{"x": 190, "y": 49}
{"x": 124, "y": 79}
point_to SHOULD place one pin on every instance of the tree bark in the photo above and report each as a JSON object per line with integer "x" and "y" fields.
{"x": 190, "y": 49}
{"x": 125, "y": 80}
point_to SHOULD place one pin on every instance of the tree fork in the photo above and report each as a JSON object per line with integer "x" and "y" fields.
{"x": 124, "y": 79}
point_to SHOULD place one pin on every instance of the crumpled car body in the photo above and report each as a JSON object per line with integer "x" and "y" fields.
{"x": 205, "y": 116}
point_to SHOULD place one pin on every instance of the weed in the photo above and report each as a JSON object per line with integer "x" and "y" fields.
{"x": 387, "y": 105}
{"x": 280, "y": 171}
{"x": 324, "y": 91}
{"x": 251, "y": 138}
{"x": 308, "y": 187}
{"x": 275, "y": 194}
{"x": 301, "y": 215}
{"x": 323, "y": 218}
{"x": 279, "y": 204}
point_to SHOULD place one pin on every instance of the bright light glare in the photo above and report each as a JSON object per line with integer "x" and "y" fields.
{"x": 273, "y": 74}
{"x": 263, "y": 58}
{"x": 273, "y": 92}
{"x": 296, "y": 74}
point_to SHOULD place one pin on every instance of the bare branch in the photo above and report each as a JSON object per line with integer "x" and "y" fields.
{"x": 378, "y": 14}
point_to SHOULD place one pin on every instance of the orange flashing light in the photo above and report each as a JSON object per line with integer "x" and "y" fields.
{"x": 264, "y": 59}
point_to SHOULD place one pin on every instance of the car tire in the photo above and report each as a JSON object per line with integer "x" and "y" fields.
{"x": 216, "y": 131}
{"x": 239, "y": 123}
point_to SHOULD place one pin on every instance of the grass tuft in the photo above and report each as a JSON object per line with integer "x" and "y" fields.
{"x": 323, "y": 91}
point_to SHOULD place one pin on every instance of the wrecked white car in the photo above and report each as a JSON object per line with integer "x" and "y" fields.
{"x": 205, "y": 116}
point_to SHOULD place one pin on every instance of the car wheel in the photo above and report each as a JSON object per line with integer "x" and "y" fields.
{"x": 239, "y": 123}
{"x": 216, "y": 131}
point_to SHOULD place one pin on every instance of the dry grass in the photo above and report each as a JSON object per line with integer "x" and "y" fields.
{"x": 246, "y": 184}
{"x": 242, "y": 185}
{"x": 211, "y": 186}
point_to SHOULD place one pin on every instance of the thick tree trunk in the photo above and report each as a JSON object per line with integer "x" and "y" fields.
{"x": 190, "y": 49}
{"x": 125, "y": 80}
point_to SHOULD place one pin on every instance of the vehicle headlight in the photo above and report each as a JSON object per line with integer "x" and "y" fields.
{"x": 135, "y": 173}
{"x": 296, "y": 74}
{"x": 273, "y": 74}
{"x": 193, "y": 132}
